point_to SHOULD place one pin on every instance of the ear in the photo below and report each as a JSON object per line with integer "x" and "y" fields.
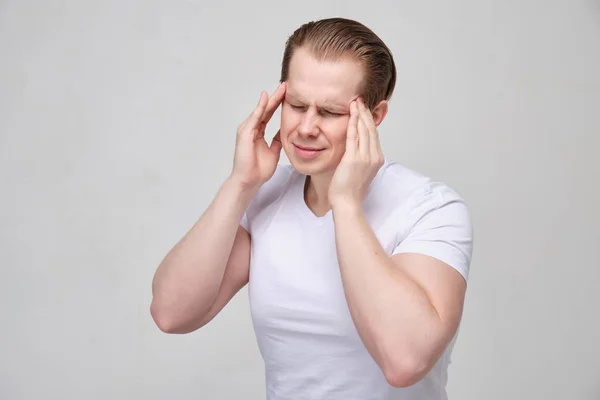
{"x": 379, "y": 112}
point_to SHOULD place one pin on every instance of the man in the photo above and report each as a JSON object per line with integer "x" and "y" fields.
{"x": 357, "y": 266}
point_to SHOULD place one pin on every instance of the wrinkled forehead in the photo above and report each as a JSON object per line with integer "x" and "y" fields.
{"x": 313, "y": 81}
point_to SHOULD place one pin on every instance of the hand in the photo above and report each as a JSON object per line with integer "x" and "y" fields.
{"x": 255, "y": 161}
{"x": 361, "y": 161}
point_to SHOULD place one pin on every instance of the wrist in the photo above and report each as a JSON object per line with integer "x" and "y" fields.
{"x": 346, "y": 206}
{"x": 239, "y": 189}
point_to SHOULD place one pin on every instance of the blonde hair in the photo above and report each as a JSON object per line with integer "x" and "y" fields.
{"x": 335, "y": 38}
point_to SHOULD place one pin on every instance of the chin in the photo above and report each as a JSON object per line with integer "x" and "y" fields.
{"x": 317, "y": 166}
{"x": 305, "y": 169}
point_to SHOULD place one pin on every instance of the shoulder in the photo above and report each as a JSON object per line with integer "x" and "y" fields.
{"x": 274, "y": 188}
{"x": 402, "y": 189}
{"x": 432, "y": 218}
{"x": 269, "y": 193}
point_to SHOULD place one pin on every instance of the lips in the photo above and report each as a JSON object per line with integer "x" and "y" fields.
{"x": 307, "y": 148}
{"x": 307, "y": 152}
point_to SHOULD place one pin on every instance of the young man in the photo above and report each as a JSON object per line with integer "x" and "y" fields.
{"x": 357, "y": 266}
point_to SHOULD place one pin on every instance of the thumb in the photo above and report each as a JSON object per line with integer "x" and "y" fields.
{"x": 276, "y": 144}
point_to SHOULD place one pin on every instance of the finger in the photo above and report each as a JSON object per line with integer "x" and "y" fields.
{"x": 276, "y": 144}
{"x": 364, "y": 142}
{"x": 375, "y": 147}
{"x": 256, "y": 115}
{"x": 259, "y": 131}
{"x": 374, "y": 144}
{"x": 367, "y": 115}
{"x": 274, "y": 102}
{"x": 352, "y": 132}
{"x": 363, "y": 135}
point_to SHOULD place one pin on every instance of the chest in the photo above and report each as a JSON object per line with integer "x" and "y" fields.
{"x": 295, "y": 283}
{"x": 294, "y": 271}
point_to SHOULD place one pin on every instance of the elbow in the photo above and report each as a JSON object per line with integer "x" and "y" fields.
{"x": 405, "y": 372}
{"x": 164, "y": 320}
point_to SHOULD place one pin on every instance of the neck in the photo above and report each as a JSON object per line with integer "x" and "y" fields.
{"x": 316, "y": 192}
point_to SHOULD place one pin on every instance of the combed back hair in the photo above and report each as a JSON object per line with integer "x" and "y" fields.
{"x": 333, "y": 39}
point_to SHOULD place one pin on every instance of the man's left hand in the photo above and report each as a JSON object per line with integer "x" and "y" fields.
{"x": 361, "y": 161}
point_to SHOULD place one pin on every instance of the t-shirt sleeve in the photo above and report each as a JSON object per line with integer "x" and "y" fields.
{"x": 244, "y": 222}
{"x": 269, "y": 192}
{"x": 441, "y": 228}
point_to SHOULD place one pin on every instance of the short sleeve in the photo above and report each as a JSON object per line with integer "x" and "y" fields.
{"x": 268, "y": 193}
{"x": 441, "y": 228}
{"x": 244, "y": 222}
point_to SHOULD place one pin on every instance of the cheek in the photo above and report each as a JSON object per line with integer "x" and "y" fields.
{"x": 288, "y": 125}
{"x": 289, "y": 120}
{"x": 337, "y": 133}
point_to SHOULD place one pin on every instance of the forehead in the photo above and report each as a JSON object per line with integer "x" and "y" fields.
{"x": 314, "y": 81}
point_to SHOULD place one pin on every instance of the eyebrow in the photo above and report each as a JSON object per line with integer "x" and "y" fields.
{"x": 327, "y": 106}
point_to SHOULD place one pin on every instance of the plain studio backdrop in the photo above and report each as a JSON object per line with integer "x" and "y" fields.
{"x": 117, "y": 123}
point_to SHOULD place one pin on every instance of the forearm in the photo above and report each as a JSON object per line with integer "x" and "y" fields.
{"x": 188, "y": 279}
{"x": 392, "y": 314}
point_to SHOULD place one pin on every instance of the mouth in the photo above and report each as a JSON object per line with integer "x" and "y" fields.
{"x": 307, "y": 152}
{"x": 307, "y": 148}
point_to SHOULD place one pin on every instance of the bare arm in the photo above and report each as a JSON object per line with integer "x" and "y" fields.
{"x": 236, "y": 275}
{"x": 406, "y": 308}
{"x": 210, "y": 263}
{"x": 186, "y": 283}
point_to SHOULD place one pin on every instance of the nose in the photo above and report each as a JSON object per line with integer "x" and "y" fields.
{"x": 309, "y": 124}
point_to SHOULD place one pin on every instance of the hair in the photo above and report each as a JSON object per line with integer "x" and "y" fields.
{"x": 335, "y": 38}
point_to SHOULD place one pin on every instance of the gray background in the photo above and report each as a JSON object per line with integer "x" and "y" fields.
{"x": 117, "y": 126}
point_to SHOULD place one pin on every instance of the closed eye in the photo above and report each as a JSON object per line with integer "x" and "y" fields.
{"x": 331, "y": 113}
{"x": 322, "y": 112}
{"x": 296, "y": 107}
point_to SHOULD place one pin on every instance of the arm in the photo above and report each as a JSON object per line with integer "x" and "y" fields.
{"x": 206, "y": 267}
{"x": 406, "y": 308}
{"x": 210, "y": 263}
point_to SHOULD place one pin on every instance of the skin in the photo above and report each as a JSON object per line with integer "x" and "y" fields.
{"x": 315, "y": 114}
{"x": 211, "y": 262}
{"x": 406, "y": 308}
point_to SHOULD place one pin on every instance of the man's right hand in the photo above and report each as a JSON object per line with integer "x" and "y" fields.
{"x": 255, "y": 161}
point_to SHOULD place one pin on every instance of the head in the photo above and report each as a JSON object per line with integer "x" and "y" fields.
{"x": 326, "y": 65}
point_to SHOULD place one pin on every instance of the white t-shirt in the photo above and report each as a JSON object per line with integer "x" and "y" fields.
{"x": 305, "y": 332}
